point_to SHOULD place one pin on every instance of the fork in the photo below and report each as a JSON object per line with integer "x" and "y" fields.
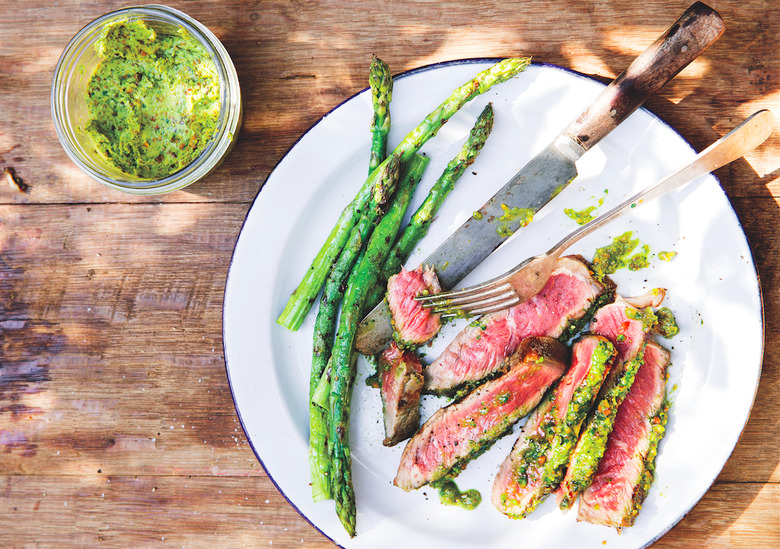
{"x": 529, "y": 277}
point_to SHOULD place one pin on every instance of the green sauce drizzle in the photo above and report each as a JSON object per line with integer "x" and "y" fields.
{"x": 657, "y": 432}
{"x": 667, "y": 324}
{"x": 646, "y": 316}
{"x": 374, "y": 379}
{"x": 560, "y": 188}
{"x": 511, "y": 215}
{"x": 617, "y": 255}
{"x": 582, "y": 216}
{"x": 640, "y": 260}
{"x": 585, "y": 216}
{"x": 450, "y": 494}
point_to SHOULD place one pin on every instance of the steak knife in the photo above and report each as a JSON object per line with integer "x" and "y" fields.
{"x": 554, "y": 167}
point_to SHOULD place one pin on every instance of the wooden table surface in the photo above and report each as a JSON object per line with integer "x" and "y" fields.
{"x": 117, "y": 426}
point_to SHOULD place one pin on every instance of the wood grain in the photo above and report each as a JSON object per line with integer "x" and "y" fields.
{"x": 117, "y": 427}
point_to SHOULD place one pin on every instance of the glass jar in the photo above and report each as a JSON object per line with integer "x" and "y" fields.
{"x": 69, "y": 101}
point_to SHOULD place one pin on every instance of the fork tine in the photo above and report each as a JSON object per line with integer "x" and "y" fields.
{"x": 479, "y": 308}
{"x": 490, "y": 296}
{"x": 478, "y": 300}
{"x": 467, "y": 295}
{"x": 485, "y": 286}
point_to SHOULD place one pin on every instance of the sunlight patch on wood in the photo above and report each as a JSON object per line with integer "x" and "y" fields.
{"x": 629, "y": 40}
{"x": 465, "y": 43}
{"x": 762, "y": 159}
{"x": 584, "y": 60}
{"x": 42, "y": 401}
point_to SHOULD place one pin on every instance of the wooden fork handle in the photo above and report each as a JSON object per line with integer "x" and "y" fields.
{"x": 688, "y": 37}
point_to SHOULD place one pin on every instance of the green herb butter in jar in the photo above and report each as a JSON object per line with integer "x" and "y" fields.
{"x": 146, "y": 100}
{"x": 154, "y": 99}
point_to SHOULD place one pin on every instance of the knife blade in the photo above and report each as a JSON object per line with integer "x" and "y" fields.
{"x": 554, "y": 167}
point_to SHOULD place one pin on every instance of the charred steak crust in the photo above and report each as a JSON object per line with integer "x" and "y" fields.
{"x": 401, "y": 386}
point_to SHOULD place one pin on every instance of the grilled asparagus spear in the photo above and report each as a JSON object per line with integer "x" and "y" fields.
{"x": 381, "y": 84}
{"x": 303, "y": 297}
{"x": 418, "y": 225}
{"x": 325, "y": 324}
{"x": 361, "y": 280}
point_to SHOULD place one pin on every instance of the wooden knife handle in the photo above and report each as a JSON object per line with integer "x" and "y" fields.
{"x": 688, "y": 37}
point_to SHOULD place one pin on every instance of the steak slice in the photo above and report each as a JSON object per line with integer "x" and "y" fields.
{"x": 413, "y": 324}
{"x": 592, "y": 359}
{"x": 518, "y": 486}
{"x": 622, "y": 324}
{"x": 558, "y": 310}
{"x": 401, "y": 385}
{"x": 626, "y": 471}
{"x": 463, "y": 430}
{"x": 539, "y": 458}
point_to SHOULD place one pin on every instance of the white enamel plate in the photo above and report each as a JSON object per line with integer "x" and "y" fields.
{"x": 711, "y": 285}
